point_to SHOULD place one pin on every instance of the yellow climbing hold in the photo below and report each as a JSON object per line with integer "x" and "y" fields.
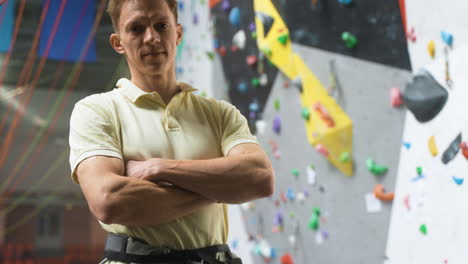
{"x": 336, "y": 138}
{"x": 432, "y": 146}
{"x": 431, "y": 48}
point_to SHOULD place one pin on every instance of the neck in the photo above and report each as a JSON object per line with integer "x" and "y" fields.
{"x": 164, "y": 85}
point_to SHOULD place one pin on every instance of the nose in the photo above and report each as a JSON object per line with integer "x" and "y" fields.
{"x": 151, "y": 36}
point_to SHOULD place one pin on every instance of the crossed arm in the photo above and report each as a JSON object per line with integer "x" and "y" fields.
{"x": 146, "y": 198}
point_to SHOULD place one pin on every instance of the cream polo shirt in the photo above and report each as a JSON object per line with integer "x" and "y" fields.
{"x": 130, "y": 124}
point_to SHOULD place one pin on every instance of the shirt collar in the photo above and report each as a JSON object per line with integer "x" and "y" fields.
{"x": 133, "y": 92}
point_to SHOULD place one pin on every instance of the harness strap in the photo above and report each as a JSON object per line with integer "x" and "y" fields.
{"x": 131, "y": 250}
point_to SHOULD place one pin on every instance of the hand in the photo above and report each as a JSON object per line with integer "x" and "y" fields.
{"x": 150, "y": 170}
{"x": 136, "y": 169}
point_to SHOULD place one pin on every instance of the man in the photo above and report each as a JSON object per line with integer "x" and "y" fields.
{"x": 156, "y": 163}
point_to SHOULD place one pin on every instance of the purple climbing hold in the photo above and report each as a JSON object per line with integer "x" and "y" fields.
{"x": 226, "y": 5}
{"x": 252, "y": 27}
{"x": 277, "y": 125}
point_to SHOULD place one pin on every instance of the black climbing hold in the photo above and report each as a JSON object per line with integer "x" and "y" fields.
{"x": 267, "y": 22}
{"x": 452, "y": 150}
{"x": 424, "y": 96}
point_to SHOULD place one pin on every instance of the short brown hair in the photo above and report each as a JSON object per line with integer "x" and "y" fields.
{"x": 115, "y": 7}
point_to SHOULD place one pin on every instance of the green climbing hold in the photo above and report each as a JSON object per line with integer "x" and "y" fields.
{"x": 344, "y": 157}
{"x": 349, "y": 39}
{"x": 292, "y": 215}
{"x": 255, "y": 82}
{"x": 295, "y": 172}
{"x": 423, "y": 229}
{"x": 419, "y": 170}
{"x": 277, "y": 104}
{"x": 210, "y": 55}
{"x": 305, "y": 113}
{"x": 254, "y": 35}
{"x": 283, "y": 39}
{"x": 267, "y": 51}
{"x": 374, "y": 168}
{"x": 317, "y": 211}
{"x": 314, "y": 222}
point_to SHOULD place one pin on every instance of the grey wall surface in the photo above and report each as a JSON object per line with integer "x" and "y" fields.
{"x": 355, "y": 236}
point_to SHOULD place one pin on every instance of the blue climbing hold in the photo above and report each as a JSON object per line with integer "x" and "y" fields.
{"x": 242, "y": 87}
{"x": 253, "y": 107}
{"x": 180, "y": 6}
{"x": 235, "y": 17}
{"x": 447, "y": 38}
{"x": 290, "y": 194}
{"x": 407, "y": 145}
{"x": 458, "y": 181}
{"x": 345, "y": 2}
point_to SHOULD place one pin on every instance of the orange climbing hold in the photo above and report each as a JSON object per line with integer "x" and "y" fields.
{"x": 379, "y": 193}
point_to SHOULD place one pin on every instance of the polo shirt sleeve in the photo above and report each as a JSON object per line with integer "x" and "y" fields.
{"x": 92, "y": 133}
{"x": 235, "y": 129}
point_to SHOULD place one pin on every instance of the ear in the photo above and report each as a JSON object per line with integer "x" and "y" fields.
{"x": 180, "y": 33}
{"x": 116, "y": 44}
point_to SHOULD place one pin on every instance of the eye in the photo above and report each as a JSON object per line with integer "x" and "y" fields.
{"x": 137, "y": 28}
{"x": 162, "y": 26}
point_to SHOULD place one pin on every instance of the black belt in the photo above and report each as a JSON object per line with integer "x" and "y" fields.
{"x": 132, "y": 250}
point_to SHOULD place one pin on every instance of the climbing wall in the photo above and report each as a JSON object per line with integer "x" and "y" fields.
{"x": 324, "y": 209}
{"x": 348, "y": 230}
{"x": 428, "y": 223}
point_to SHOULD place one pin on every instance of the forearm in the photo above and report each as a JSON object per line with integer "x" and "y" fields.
{"x": 232, "y": 179}
{"x": 135, "y": 202}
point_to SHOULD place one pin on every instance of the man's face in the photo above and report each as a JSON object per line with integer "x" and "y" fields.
{"x": 148, "y": 36}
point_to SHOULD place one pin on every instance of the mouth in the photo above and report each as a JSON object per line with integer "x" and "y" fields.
{"x": 154, "y": 53}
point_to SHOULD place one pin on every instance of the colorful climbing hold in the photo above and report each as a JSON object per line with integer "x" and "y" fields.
{"x": 295, "y": 172}
{"x": 316, "y": 211}
{"x": 447, "y": 38}
{"x": 411, "y": 35}
{"x": 349, "y": 39}
{"x": 344, "y": 157}
{"x": 255, "y": 82}
{"x": 458, "y": 181}
{"x": 322, "y": 150}
{"x": 374, "y": 168}
{"x": 431, "y": 48}
{"x": 419, "y": 170}
{"x": 423, "y": 229}
{"x": 464, "y": 148}
{"x": 267, "y": 51}
{"x": 263, "y": 79}
{"x": 379, "y": 193}
{"x": 235, "y": 16}
{"x": 239, "y": 39}
{"x": 297, "y": 82}
{"x": 324, "y": 115}
{"x": 277, "y": 125}
{"x": 345, "y": 2}
{"x": 276, "y": 104}
{"x": 226, "y": 6}
{"x": 305, "y": 113}
{"x": 395, "y": 97}
{"x": 254, "y": 107}
{"x": 314, "y": 222}
{"x": 407, "y": 145}
{"x": 432, "y": 146}
{"x": 210, "y": 55}
{"x": 283, "y": 39}
{"x": 286, "y": 259}
{"x": 251, "y": 60}
{"x": 242, "y": 87}
{"x": 222, "y": 51}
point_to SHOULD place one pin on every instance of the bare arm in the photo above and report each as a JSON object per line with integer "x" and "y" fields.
{"x": 116, "y": 199}
{"x": 243, "y": 175}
